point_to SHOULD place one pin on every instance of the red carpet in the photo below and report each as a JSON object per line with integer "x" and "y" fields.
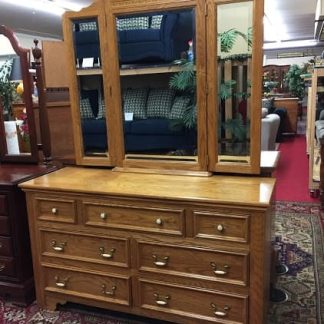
{"x": 292, "y": 171}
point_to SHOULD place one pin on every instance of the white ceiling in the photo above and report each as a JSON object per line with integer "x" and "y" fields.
{"x": 292, "y": 19}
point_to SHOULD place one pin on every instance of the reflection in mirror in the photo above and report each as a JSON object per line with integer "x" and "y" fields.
{"x": 14, "y": 108}
{"x": 158, "y": 84}
{"x": 234, "y": 51}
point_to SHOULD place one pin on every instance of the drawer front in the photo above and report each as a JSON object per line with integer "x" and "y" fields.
{"x": 5, "y": 246}
{"x": 4, "y": 204}
{"x": 7, "y": 267}
{"x": 156, "y": 220}
{"x": 197, "y": 263}
{"x": 221, "y": 226}
{"x": 193, "y": 303}
{"x": 108, "y": 288}
{"x": 56, "y": 209}
{"x": 114, "y": 251}
{"x": 4, "y": 225}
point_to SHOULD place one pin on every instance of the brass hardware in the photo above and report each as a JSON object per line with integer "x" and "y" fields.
{"x": 220, "y": 228}
{"x": 107, "y": 255}
{"x": 159, "y": 221}
{"x": 103, "y": 216}
{"x": 60, "y": 283}
{"x": 160, "y": 262}
{"x": 54, "y": 211}
{"x": 161, "y": 300}
{"x": 218, "y": 271}
{"x": 108, "y": 293}
{"x": 1, "y": 245}
{"x": 58, "y": 247}
{"x": 218, "y": 312}
{"x": 2, "y": 267}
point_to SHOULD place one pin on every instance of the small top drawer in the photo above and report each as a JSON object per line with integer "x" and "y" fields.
{"x": 149, "y": 219}
{"x": 222, "y": 226}
{"x": 56, "y": 209}
{"x": 3, "y": 204}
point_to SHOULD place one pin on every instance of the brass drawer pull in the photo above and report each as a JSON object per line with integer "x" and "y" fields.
{"x": 1, "y": 245}
{"x": 103, "y": 216}
{"x": 159, "y": 221}
{"x": 218, "y": 312}
{"x": 2, "y": 267}
{"x": 58, "y": 247}
{"x": 220, "y": 228}
{"x": 160, "y": 262}
{"x": 219, "y": 272}
{"x": 54, "y": 211}
{"x": 161, "y": 300}
{"x": 107, "y": 255}
{"x": 60, "y": 283}
{"x": 108, "y": 293}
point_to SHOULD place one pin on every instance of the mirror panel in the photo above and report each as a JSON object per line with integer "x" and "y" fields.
{"x": 234, "y": 58}
{"x": 92, "y": 109}
{"x": 158, "y": 85}
{"x": 16, "y": 87}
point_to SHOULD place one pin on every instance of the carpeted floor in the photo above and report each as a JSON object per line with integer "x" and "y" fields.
{"x": 297, "y": 233}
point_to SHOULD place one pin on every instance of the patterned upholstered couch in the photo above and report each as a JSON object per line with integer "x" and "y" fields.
{"x": 153, "y": 127}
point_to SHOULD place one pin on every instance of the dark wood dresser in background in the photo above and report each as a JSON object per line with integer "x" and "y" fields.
{"x": 16, "y": 272}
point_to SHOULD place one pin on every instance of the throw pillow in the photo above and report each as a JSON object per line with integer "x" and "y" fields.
{"x": 132, "y": 23}
{"x": 159, "y": 103}
{"x": 5, "y": 70}
{"x": 87, "y": 26}
{"x": 156, "y": 21}
{"x": 179, "y": 107}
{"x": 102, "y": 110}
{"x": 85, "y": 109}
{"x": 135, "y": 102}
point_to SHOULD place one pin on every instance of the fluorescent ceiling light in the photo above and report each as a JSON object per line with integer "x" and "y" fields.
{"x": 290, "y": 44}
{"x": 56, "y": 7}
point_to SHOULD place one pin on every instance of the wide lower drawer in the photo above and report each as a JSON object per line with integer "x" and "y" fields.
{"x": 149, "y": 219}
{"x": 5, "y": 246}
{"x": 97, "y": 249}
{"x": 7, "y": 267}
{"x": 193, "y": 303}
{"x": 4, "y": 225}
{"x": 56, "y": 209}
{"x": 221, "y": 225}
{"x": 201, "y": 263}
{"x": 3, "y": 204}
{"x": 109, "y": 288}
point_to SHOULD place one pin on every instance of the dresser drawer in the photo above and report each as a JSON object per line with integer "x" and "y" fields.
{"x": 3, "y": 204}
{"x": 97, "y": 249}
{"x": 150, "y": 219}
{"x": 56, "y": 209}
{"x": 221, "y": 226}
{"x": 5, "y": 246}
{"x": 110, "y": 288}
{"x": 4, "y": 225}
{"x": 193, "y": 303}
{"x": 192, "y": 262}
{"x": 7, "y": 266}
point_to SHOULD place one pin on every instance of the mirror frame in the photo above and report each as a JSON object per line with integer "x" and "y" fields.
{"x": 23, "y": 54}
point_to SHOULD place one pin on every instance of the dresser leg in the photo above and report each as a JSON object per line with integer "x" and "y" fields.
{"x": 51, "y": 303}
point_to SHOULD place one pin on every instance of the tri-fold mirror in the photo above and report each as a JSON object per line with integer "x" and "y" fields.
{"x": 17, "y": 127}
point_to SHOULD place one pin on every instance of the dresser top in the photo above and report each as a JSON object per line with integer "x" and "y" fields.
{"x": 13, "y": 173}
{"x": 243, "y": 190}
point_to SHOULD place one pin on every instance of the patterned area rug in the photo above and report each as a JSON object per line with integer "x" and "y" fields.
{"x": 299, "y": 236}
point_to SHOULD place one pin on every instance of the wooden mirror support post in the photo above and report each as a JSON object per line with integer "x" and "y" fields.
{"x": 43, "y": 117}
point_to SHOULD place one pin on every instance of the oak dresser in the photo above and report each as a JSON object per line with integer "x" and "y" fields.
{"x": 179, "y": 248}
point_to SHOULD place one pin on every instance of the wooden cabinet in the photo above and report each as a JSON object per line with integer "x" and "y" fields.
{"x": 16, "y": 273}
{"x": 292, "y": 107}
{"x": 176, "y": 248}
{"x": 136, "y": 105}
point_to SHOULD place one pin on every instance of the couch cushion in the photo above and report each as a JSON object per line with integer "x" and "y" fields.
{"x": 264, "y": 112}
{"x": 102, "y": 109}
{"x": 151, "y": 127}
{"x": 85, "y": 109}
{"x": 159, "y": 103}
{"x": 135, "y": 102}
{"x": 179, "y": 107}
{"x": 94, "y": 126}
